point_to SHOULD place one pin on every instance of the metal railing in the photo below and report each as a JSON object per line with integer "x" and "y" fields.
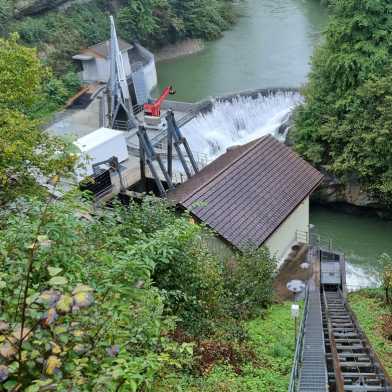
{"x": 295, "y": 371}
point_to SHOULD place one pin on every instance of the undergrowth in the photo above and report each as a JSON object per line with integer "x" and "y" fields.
{"x": 376, "y": 321}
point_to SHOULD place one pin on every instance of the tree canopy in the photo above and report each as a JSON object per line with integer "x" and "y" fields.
{"x": 345, "y": 124}
{"x": 26, "y": 152}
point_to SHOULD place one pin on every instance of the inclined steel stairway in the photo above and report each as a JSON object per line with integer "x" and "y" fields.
{"x": 313, "y": 372}
{"x": 352, "y": 364}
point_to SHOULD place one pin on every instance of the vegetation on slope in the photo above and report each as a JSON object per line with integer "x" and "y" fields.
{"x": 120, "y": 298}
{"x": 270, "y": 337}
{"x": 27, "y": 89}
{"x": 345, "y": 124}
{"x": 60, "y": 34}
{"x": 375, "y": 318}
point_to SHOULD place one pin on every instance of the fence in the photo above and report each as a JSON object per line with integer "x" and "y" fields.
{"x": 294, "y": 377}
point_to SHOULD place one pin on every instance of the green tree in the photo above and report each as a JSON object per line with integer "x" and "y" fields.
{"x": 21, "y": 75}
{"x": 26, "y": 152}
{"x": 202, "y": 18}
{"x": 345, "y": 123}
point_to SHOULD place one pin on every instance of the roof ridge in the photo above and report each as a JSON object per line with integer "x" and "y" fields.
{"x": 249, "y": 149}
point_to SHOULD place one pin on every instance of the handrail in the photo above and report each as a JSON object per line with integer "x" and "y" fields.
{"x": 299, "y": 346}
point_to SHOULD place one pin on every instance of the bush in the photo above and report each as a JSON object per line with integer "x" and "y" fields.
{"x": 345, "y": 123}
{"x": 119, "y": 343}
{"x": 248, "y": 281}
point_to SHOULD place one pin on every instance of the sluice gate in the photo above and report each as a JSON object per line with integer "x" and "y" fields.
{"x": 333, "y": 354}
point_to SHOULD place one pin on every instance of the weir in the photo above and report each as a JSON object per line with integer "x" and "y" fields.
{"x": 333, "y": 353}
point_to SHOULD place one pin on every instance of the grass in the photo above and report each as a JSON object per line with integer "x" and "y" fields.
{"x": 270, "y": 337}
{"x": 369, "y": 309}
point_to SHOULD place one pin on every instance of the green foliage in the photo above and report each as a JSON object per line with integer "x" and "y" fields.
{"x": 385, "y": 262}
{"x": 103, "y": 294}
{"x": 370, "y": 311}
{"x": 345, "y": 124}
{"x": 272, "y": 339}
{"x": 242, "y": 281}
{"x": 21, "y": 75}
{"x": 26, "y": 152}
{"x": 124, "y": 332}
{"x": 202, "y": 18}
{"x": 62, "y": 34}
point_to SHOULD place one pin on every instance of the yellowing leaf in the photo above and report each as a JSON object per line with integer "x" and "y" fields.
{"x": 7, "y": 350}
{"x": 81, "y": 288}
{"x": 58, "y": 281}
{"x": 78, "y": 333}
{"x": 49, "y": 297}
{"x": 51, "y": 317}
{"x": 56, "y": 349}
{"x": 83, "y": 299}
{"x": 52, "y": 364}
{"x": 17, "y": 334}
{"x": 64, "y": 305}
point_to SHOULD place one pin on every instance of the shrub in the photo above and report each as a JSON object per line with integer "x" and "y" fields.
{"x": 248, "y": 281}
{"x": 345, "y": 123}
{"x": 119, "y": 343}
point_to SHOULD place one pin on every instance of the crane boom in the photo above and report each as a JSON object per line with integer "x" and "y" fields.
{"x": 154, "y": 109}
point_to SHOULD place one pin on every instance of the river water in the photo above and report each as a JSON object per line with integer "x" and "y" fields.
{"x": 270, "y": 46}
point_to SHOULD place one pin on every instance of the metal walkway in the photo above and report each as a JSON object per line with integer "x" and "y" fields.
{"x": 313, "y": 369}
{"x": 333, "y": 354}
{"x": 353, "y": 365}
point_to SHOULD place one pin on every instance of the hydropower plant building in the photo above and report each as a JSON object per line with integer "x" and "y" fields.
{"x": 253, "y": 195}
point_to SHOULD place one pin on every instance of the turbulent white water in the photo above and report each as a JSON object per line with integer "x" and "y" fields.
{"x": 239, "y": 121}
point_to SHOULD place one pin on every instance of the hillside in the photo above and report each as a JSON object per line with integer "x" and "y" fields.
{"x": 59, "y": 28}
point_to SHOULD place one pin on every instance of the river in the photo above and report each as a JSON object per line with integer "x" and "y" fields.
{"x": 270, "y": 46}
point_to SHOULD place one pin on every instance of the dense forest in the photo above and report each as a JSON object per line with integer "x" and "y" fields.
{"x": 345, "y": 125}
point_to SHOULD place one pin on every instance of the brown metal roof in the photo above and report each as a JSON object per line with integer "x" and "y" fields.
{"x": 248, "y": 192}
{"x": 102, "y": 49}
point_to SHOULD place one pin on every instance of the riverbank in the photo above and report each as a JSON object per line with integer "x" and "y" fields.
{"x": 375, "y": 320}
{"x": 179, "y": 49}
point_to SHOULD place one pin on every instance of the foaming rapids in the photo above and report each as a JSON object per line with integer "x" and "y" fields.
{"x": 240, "y": 121}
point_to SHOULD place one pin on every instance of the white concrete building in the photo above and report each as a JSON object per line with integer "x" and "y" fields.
{"x": 139, "y": 63}
{"x": 253, "y": 195}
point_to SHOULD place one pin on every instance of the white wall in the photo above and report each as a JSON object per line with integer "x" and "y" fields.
{"x": 90, "y": 72}
{"x": 127, "y": 65}
{"x": 286, "y": 234}
{"x": 150, "y": 75}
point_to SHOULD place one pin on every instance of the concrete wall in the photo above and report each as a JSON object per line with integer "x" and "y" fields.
{"x": 98, "y": 70}
{"x": 150, "y": 71}
{"x": 150, "y": 76}
{"x": 282, "y": 239}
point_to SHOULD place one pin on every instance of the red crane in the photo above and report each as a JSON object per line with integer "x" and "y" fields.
{"x": 154, "y": 109}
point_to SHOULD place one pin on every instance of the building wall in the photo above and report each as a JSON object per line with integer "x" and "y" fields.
{"x": 150, "y": 76}
{"x": 98, "y": 70}
{"x": 90, "y": 72}
{"x": 286, "y": 234}
{"x": 127, "y": 65}
{"x": 150, "y": 71}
